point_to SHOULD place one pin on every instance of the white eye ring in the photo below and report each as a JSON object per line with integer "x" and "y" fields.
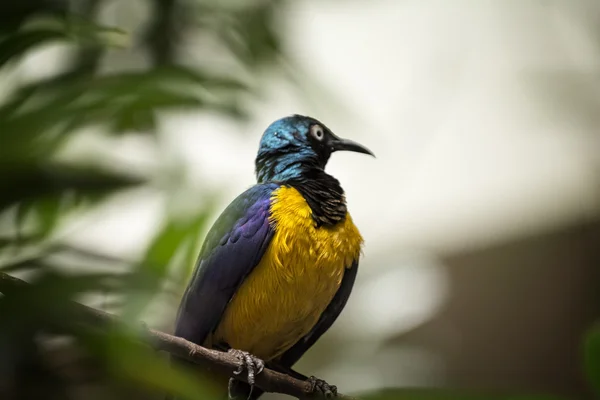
{"x": 317, "y": 132}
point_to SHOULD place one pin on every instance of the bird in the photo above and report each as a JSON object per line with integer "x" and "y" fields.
{"x": 279, "y": 264}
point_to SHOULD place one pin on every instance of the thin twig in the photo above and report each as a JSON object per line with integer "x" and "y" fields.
{"x": 268, "y": 380}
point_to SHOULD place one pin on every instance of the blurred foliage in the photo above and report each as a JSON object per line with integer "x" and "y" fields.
{"x": 95, "y": 88}
{"x": 592, "y": 358}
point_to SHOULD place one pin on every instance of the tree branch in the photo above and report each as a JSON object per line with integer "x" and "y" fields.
{"x": 268, "y": 380}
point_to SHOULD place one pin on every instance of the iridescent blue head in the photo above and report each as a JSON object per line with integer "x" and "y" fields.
{"x": 293, "y": 146}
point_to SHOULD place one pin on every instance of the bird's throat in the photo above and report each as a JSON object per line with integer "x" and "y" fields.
{"x": 324, "y": 196}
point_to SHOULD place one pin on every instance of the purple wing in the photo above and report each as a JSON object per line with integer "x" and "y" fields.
{"x": 233, "y": 247}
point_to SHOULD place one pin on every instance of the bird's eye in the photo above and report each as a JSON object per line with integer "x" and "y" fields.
{"x": 317, "y": 132}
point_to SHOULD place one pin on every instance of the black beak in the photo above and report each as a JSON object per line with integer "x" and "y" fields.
{"x": 338, "y": 144}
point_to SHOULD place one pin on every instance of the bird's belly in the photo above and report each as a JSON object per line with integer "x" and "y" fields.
{"x": 284, "y": 296}
{"x": 271, "y": 312}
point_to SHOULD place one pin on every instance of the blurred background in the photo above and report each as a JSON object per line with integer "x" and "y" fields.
{"x": 126, "y": 127}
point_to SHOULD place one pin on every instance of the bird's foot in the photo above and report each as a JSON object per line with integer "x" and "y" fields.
{"x": 322, "y": 387}
{"x": 248, "y": 362}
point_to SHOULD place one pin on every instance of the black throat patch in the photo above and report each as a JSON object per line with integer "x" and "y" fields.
{"x": 324, "y": 196}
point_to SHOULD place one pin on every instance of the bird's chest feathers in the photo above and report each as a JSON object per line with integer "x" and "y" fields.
{"x": 282, "y": 299}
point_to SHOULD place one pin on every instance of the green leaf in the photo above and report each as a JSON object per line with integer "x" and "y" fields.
{"x": 14, "y": 13}
{"x": 8, "y": 241}
{"x": 42, "y": 32}
{"x": 176, "y": 237}
{"x": 138, "y": 114}
{"x": 175, "y": 233}
{"x": 45, "y": 214}
{"x": 128, "y": 359}
{"x": 121, "y": 102}
{"x": 46, "y": 300}
{"x": 251, "y": 35}
{"x": 14, "y": 46}
{"x": 33, "y": 182}
{"x": 90, "y": 32}
{"x": 592, "y": 358}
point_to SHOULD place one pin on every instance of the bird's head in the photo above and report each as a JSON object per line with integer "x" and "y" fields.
{"x": 293, "y": 145}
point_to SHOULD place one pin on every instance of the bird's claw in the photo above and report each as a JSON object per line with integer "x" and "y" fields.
{"x": 322, "y": 387}
{"x": 248, "y": 362}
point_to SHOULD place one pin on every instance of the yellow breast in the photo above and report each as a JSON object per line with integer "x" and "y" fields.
{"x": 282, "y": 299}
